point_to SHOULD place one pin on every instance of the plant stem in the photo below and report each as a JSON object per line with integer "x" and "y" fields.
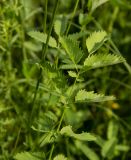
{"x": 74, "y": 11}
{"x": 45, "y": 16}
{"x": 51, "y": 152}
{"x": 50, "y": 29}
{"x": 58, "y": 128}
{"x": 114, "y": 16}
{"x": 43, "y": 55}
{"x": 61, "y": 119}
{"x": 60, "y": 122}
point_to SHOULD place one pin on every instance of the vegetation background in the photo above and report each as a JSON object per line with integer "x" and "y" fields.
{"x": 43, "y": 81}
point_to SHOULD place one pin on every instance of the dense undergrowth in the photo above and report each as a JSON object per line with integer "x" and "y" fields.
{"x": 65, "y": 79}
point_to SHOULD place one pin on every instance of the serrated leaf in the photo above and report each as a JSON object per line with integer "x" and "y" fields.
{"x": 72, "y": 49}
{"x": 41, "y": 37}
{"x": 46, "y": 138}
{"x": 70, "y": 66}
{"x": 46, "y": 121}
{"x": 108, "y": 148}
{"x": 77, "y": 35}
{"x": 29, "y": 156}
{"x": 82, "y": 136}
{"x": 60, "y": 157}
{"x": 101, "y": 60}
{"x": 57, "y": 27}
{"x": 96, "y": 40}
{"x": 97, "y": 3}
{"x": 72, "y": 74}
{"x": 88, "y": 152}
{"x": 90, "y": 96}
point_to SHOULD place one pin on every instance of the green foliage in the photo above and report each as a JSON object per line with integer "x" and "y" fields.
{"x": 72, "y": 49}
{"x": 60, "y": 157}
{"x": 109, "y": 147}
{"x": 49, "y": 104}
{"x": 31, "y": 156}
{"x": 67, "y": 130}
{"x": 41, "y": 37}
{"x": 95, "y": 41}
{"x": 101, "y": 60}
{"x": 88, "y": 152}
{"x": 97, "y": 3}
{"x": 84, "y": 96}
{"x": 112, "y": 129}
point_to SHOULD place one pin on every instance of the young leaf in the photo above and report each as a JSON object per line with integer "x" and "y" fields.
{"x": 97, "y": 3}
{"x": 57, "y": 27}
{"x": 83, "y": 136}
{"x": 72, "y": 74}
{"x": 47, "y": 138}
{"x": 45, "y": 122}
{"x": 72, "y": 49}
{"x": 41, "y": 37}
{"x": 29, "y": 156}
{"x": 60, "y": 25}
{"x": 112, "y": 130}
{"x": 101, "y": 60}
{"x": 88, "y": 152}
{"x": 95, "y": 41}
{"x": 60, "y": 157}
{"x": 90, "y": 96}
{"x": 122, "y": 147}
{"x": 109, "y": 147}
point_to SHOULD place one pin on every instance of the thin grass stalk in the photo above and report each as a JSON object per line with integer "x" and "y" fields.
{"x": 73, "y": 14}
{"x": 45, "y": 16}
{"x": 43, "y": 55}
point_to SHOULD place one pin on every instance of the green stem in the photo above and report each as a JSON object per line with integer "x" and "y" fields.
{"x": 51, "y": 152}
{"x": 35, "y": 94}
{"x": 58, "y": 128}
{"x": 43, "y": 55}
{"x": 75, "y": 8}
{"x": 114, "y": 16}
{"x": 45, "y": 16}
{"x": 50, "y": 29}
{"x": 61, "y": 119}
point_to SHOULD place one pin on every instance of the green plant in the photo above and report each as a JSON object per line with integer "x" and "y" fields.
{"x": 49, "y": 117}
